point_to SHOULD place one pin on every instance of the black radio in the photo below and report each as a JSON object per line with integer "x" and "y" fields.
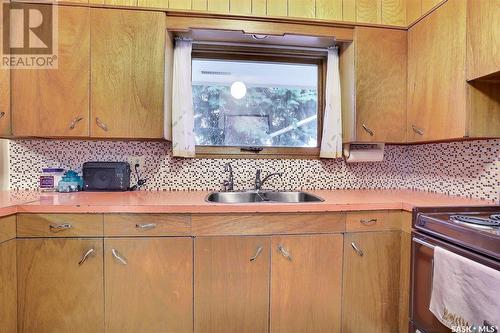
{"x": 106, "y": 176}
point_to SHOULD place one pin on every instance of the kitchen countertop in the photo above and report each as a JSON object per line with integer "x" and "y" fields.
{"x": 194, "y": 202}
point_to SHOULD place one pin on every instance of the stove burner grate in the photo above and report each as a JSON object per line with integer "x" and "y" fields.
{"x": 477, "y": 221}
{"x": 495, "y": 217}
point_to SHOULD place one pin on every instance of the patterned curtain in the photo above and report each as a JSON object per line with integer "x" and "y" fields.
{"x": 331, "y": 142}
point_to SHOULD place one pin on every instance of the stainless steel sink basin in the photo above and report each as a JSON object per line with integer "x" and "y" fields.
{"x": 262, "y": 196}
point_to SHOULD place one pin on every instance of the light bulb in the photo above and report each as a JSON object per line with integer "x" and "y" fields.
{"x": 238, "y": 89}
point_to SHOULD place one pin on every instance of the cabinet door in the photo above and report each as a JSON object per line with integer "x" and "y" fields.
{"x": 5, "y": 129}
{"x": 483, "y": 39}
{"x": 149, "y": 284}
{"x": 127, "y": 73}
{"x": 55, "y": 102}
{"x": 306, "y": 283}
{"x": 380, "y": 85}
{"x": 371, "y": 282}
{"x": 8, "y": 287}
{"x": 60, "y": 285}
{"x": 231, "y": 284}
{"x": 436, "y": 75}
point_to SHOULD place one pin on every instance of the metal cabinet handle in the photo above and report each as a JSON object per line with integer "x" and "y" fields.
{"x": 85, "y": 256}
{"x": 146, "y": 226}
{"x": 417, "y": 130}
{"x": 60, "y": 227}
{"x": 357, "y": 249}
{"x": 368, "y": 221}
{"x": 118, "y": 257}
{"x": 75, "y": 121}
{"x": 284, "y": 252}
{"x": 101, "y": 124}
{"x": 257, "y": 254}
{"x": 2, "y": 114}
{"x": 367, "y": 129}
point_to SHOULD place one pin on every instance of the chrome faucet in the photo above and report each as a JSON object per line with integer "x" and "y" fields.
{"x": 259, "y": 182}
{"x": 228, "y": 183}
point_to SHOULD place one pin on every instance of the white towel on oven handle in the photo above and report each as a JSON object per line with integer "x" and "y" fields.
{"x": 464, "y": 292}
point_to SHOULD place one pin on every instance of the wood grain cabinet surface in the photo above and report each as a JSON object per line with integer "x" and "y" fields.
{"x": 231, "y": 284}
{"x": 55, "y": 102}
{"x": 59, "y": 291}
{"x": 8, "y": 287}
{"x": 306, "y": 283}
{"x": 380, "y": 66}
{"x": 483, "y": 39}
{"x": 371, "y": 282}
{"x": 148, "y": 284}
{"x": 441, "y": 104}
{"x": 127, "y": 51}
{"x": 5, "y": 126}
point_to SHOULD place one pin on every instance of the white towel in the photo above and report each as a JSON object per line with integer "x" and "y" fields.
{"x": 464, "y": 293}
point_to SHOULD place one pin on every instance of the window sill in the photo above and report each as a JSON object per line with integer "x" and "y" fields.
{"x": 266, "y": 153}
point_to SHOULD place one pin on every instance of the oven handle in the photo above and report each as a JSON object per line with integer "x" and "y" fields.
{"x": 432, "y": 247}
{"x": 424, "y": 243}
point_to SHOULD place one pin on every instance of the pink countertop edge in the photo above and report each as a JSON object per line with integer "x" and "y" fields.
{"x": 194, "y": 202}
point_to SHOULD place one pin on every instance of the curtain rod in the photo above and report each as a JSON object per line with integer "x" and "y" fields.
{"x": 270, "y": 46}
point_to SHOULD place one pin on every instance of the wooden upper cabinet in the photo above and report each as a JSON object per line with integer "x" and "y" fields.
{"x": 5, "y": 128}
{"x": 306, "y": 284}
{"x": 378, "y": 84}
{"x": 436, "y": 75}
{"x": 60, "y": 285}
{"x": 483, "y": 39}
{"x": 371, "y": 282}
{"x": 127, "y": 73}
{"x": 149, "y": 284}
{"x": 55, "y": 102}
{"x": 231, "y": 284}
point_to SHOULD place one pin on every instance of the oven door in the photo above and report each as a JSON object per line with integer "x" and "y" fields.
{"x": 421, "y": 318}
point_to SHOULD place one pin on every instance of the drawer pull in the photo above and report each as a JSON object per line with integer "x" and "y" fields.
{"x": 85, "y": 256}
{"x": 417, "y": 130}
{"x": 102, "y": 125}
{"x": 368, "y": 221}
{"x": 60, "y": 227}
{"x": 369, "y": 131}
{"x": 357, "y": 249}
{"x": 257, "y": 254}
{"x": 118, "y": 257}
{"x": 284, "y": 252}
{"x": 146, "y": 226}
{"x": 75, "y": 121}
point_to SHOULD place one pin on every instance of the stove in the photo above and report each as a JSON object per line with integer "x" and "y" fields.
{"x": 471, "y": 232}
{"x": 473, "y": 228}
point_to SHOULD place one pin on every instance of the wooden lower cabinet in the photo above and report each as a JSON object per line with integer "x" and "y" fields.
{"x": 59, "y": 291}
{"x": 306, "y": 283}
{"x": 8, "y": 287}
{"x": 371, "y": 282}
{"x": 231, "y": 284}
{"x": 149, "y": 284}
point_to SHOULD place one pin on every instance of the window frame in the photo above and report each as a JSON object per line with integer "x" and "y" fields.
{"x": 279, "y": 55}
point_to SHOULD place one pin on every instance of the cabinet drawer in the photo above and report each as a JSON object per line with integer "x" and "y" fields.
{"x": 371, "y": 220}
{"x": 267, "y": 224}
{"x": 147, "y": 225}
{"x": 7, "y": 228}
{"x": 59, "y": 225}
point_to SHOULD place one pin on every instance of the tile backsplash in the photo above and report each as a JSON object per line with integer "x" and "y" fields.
{"x": 469, "y": 168}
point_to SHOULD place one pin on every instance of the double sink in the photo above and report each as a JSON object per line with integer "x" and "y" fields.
{"x": 262, "y": 196}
